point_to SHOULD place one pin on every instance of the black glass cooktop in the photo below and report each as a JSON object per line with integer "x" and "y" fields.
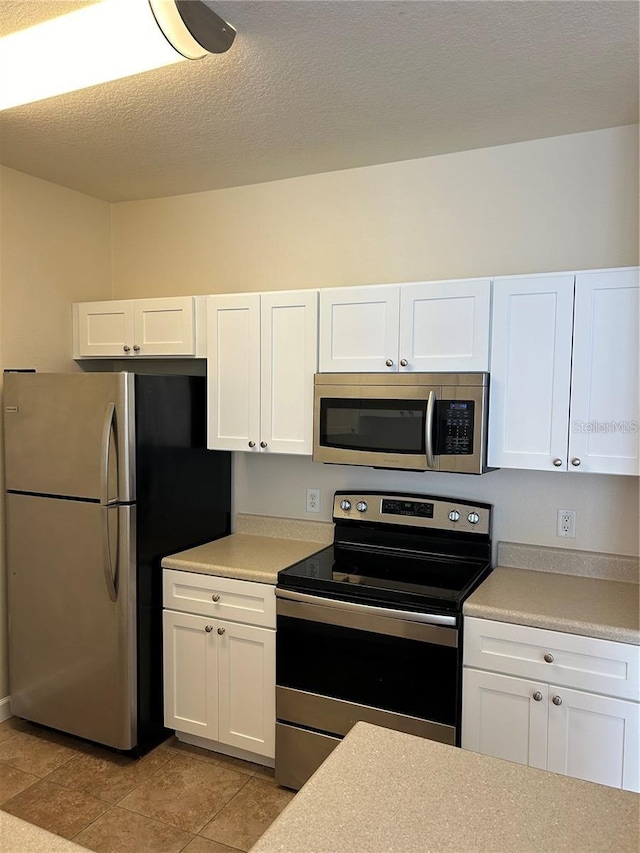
{"x": 382, "y": 576}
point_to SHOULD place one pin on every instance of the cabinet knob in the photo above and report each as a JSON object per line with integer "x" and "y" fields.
{"x": 403, "y": 362}
{"x": 549, "y": 657}
{"x": 136, "y": 348}
{"x": 263, "y": 444}
{"x": 537, "y": 696}
{"x": 557, "y": 462}
{"x": 389, "y": 362}
{"x": 221, "y": 631}
{"x": 215, "y": 597}
{"x": 576, "y": 462}
{"x": 252, "y": 444}
{"x": 557, "y": 700}
{"x": 208, "y": 628}
{"x": 126, "y": 348}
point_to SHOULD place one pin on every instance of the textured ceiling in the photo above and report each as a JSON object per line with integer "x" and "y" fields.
{"x": 317, "y": 86}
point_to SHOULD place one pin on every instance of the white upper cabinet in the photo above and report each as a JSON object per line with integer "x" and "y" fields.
{"x": 233, "y": 371}
{"x": 564, "y": 373}
{"x": 262, "y": 355}
{"x": 444, "y": 326}
{"x": 530, "y": 372}
{"x": 604, "y": 386}
{"x": 422, "y": 326}
{"x": 359, "y": 329}
{"x": 142, "y": 328}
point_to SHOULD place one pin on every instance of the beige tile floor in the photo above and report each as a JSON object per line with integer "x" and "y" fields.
{"x": 175, "y": 798}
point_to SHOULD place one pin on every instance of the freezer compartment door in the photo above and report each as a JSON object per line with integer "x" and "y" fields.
{"x": 72, "y": 647}
{"x": 69, "y": 434}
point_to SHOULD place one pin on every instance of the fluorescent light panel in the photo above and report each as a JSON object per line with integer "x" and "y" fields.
{"x": 105, "y": 41}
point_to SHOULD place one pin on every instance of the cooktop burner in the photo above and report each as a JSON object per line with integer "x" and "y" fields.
{"x": 413, "y": 552}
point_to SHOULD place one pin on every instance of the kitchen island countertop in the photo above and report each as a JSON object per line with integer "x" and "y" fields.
{"x": 243, "y": 556}
{"x": 18, "y": 836}
{"x": 382, "y": 791}
{"x": 589, "y": 606}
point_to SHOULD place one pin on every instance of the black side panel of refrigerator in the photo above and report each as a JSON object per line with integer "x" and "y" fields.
{"x": 183, "y": 497}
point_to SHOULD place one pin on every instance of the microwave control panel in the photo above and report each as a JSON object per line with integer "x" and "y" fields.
{"x": 454, "y": 430}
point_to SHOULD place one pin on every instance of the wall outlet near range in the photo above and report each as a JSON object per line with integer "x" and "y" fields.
{"x": 313, "y": 500}
{"x": 566, "y": 523}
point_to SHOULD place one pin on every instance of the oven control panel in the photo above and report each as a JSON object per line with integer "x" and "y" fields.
{"x": 413, "y": 511}
{"x": 416, "y": 509}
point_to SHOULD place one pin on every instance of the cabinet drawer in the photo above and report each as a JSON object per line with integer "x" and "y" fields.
{"x": 598, "y": 666}
{"x": 222, "y": 598}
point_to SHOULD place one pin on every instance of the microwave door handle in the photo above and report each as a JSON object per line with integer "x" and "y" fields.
{"x": 428, "y": 428}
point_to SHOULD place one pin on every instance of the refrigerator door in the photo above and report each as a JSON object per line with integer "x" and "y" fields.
{"x": 72, "y": 646}
{"x": 69, "y": 434}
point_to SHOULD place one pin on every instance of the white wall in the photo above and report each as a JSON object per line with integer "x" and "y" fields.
{"x": 525, "y": 502}
{"x": 552, "y": 204}
{"x": 565, "y": 203}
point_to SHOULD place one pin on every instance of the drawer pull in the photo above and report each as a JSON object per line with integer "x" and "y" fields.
{"x": 557, "y": 700}
{"x": 215, "y": 597}
{"x": 549, "y": 657}
{"x": 537, "y": 696}
{"x": 221, "y": 631}
{"x": 208, "y": 628}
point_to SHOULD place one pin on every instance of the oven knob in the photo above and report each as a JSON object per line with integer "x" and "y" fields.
{"x": 345, "y": 505}
{"x": 454, "y": 515}
{"x": 361, "y": 506}
{"x": 473, "y": 518}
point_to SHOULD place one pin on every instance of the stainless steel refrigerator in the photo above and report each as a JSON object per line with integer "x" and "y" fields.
{"x": 106, "y": 473}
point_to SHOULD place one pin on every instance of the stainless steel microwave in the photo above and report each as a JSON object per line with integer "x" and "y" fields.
{"x": 406, "y": 421}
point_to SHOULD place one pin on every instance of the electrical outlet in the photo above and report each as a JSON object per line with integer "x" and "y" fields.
{"x": 567, "y": 523}
{"x": 313, "y": 500}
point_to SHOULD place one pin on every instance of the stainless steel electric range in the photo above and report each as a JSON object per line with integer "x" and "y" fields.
{"x": 370, "y": 628}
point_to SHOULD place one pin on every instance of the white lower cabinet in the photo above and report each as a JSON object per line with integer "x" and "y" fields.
{"x": 550, "y": 724}
{"x": 219, "y": 675}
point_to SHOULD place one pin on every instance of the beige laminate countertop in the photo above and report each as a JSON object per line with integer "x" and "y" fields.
{"x": 591, "y": 607}
{"x": 243, "y": 556}
{"x": 18, "y": 836}
{"x": 382, "y": 791}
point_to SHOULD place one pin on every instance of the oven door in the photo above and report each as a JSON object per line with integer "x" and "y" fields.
{"x": 384, "y": 426}
{"x": 339, "y": 662}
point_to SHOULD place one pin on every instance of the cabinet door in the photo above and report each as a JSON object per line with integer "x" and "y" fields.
{"x": 530, "y": 372}
{"x": 289, "y": 357}
{"x": 594, "y": 738}
{"x": 505, "y": 717}
{"x": 233, "y": 372}
{"x": 103, "y": 329}
{"x": 359, "y": 329}
{"x": 246, "y": 656}
{"x": 445, "y": 325}
{"x": 164, "y": 327}
{"x": 190, "y": 674}
{"x": 604, "y": 385}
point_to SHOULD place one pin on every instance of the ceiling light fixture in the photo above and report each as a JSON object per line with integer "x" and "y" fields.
{"x": 106, "y": 41}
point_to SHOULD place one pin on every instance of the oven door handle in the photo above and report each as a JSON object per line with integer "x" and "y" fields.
{"x": 404, "y": 615}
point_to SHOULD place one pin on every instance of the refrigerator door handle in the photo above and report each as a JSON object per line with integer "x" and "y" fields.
{"x": 110, "y": 574}
{"x": 109, "y": 420}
